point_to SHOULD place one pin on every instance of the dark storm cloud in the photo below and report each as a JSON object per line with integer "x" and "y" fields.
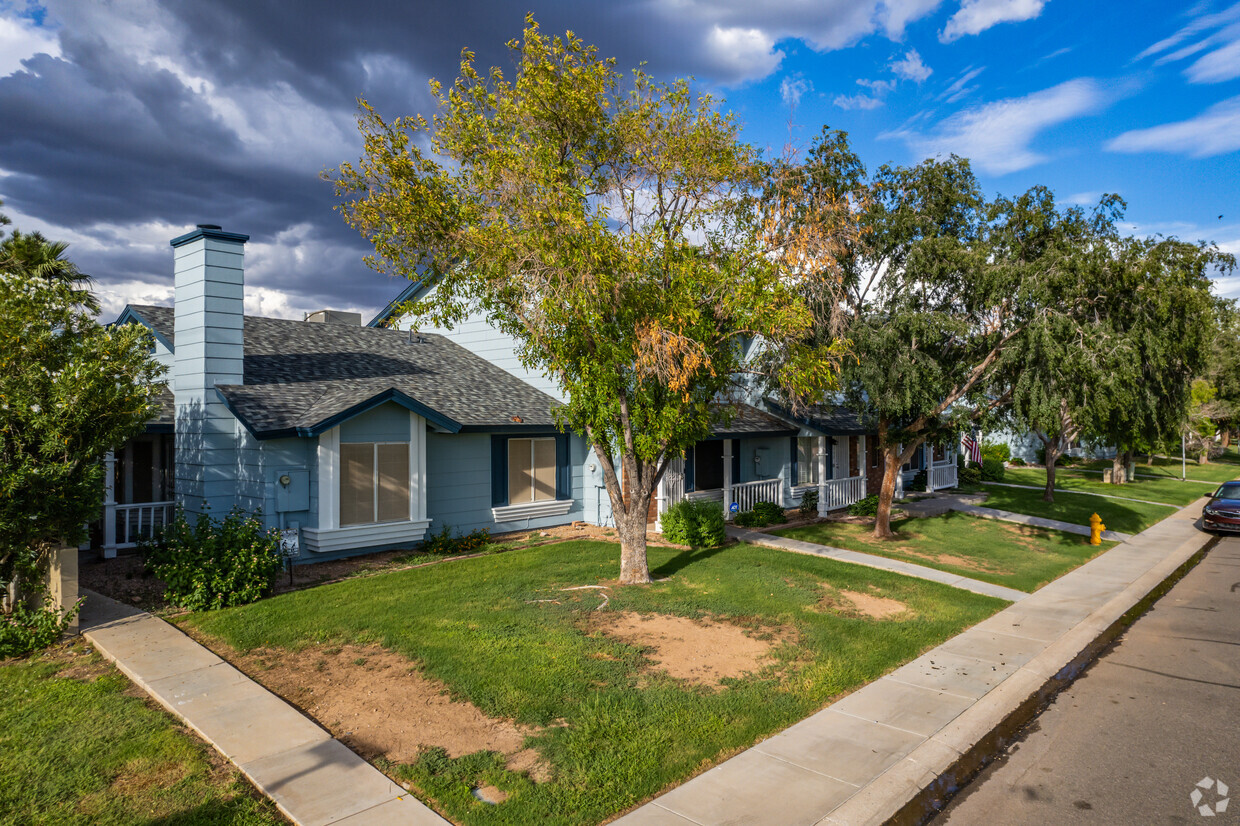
{"x": 176, "y": 112}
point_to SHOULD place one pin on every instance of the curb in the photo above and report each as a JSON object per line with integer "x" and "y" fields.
{"x": 914, "y": 789}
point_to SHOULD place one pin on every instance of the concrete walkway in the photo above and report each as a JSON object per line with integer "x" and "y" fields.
{"x": 891, "y": 747}
{"x": 1035, "y": 521}
{"x": 314, "y": 779}
{"x": 783, "y": 543}
{"x": 1081, "y": 492}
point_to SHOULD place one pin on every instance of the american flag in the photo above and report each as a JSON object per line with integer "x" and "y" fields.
{"x": 972, "y": 448}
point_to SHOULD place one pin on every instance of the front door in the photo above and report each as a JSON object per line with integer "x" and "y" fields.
{"x": 839, "y": 457}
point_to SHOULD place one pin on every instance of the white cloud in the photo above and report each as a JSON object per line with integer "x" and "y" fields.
{"x": 1083, "y": 198}
{"x": 1221, "y": 47}
{"x": 976, "y": 16}
{"x": 911, "y": 68}
{"x": 960, "y": 87}
{"x": 857, "y": 102}
{"x": 996, "y": 136}
{"x": 878, "y": 87}
{"x": 21, "y": 39}
{"x": 1221, "y": 64}
{"x": 793, "y": 87}
{"x": 1201, "y": 23}
{"x": 1215, "y": 131}
{"x": 747, "y": 53}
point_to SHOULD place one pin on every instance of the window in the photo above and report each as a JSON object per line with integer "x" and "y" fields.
{"x": 374, "y": 482}
{"x": 531, "y": 470}
{"x": 807, "y": 460}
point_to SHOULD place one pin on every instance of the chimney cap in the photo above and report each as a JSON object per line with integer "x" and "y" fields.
{"x": 208, "y": 231}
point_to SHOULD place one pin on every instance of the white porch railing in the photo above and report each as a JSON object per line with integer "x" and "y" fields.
{"x": 748, "y": 494}
{"x": 137, "y": 522}
{"x": 840, "y": 493}
{"x": 714, "y": 493}
{"x": 942, "y": 476}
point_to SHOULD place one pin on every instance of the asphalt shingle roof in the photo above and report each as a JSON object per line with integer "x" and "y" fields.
{"x": 750, "y": 421}
{"x": 829, "y": 418}
{"x": 301, "y": 377}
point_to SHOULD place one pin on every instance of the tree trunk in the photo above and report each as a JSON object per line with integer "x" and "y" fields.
{"x": 1119, "y": 468}
{"x": 631, "y": 525}
{"x": 886, "y": 493}
{"x": 1052, "y": 455}
{"x": 1225, "y": 438}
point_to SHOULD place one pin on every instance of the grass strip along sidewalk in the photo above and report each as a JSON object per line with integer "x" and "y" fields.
{"x": 79, "y": 745}
{"x": 609, "y": 721}
{"x": 1171, "y": 491}
{"x": 1017, "y": 556}
{"x": 1222, "y": 469}
{"x": 1073, "y": 506}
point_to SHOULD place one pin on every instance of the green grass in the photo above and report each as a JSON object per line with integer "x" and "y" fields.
{"x": 79, "y": 751}
{"x": 617, "y": 731}
{"x": 1075, "y": 508}
{"x": 1223, "y": 469}
{"x": 1016, "y": 556}
{"x": 1172, "y": 491}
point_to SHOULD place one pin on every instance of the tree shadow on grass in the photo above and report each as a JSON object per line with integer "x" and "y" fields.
{"x": 683, "y": 560}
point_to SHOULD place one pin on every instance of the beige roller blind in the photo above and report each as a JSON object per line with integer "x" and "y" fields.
{"x": 393, "y": 481}
{"x": 357, "y": 484}
{"x": 520, "y": 487}
{"x": 544, "y": 469}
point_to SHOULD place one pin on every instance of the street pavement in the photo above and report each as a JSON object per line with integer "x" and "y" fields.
{"x": 1130, "y": 740}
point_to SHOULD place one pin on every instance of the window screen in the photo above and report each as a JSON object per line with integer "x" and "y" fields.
{"x": 807, "y": 460}
{"x": 531, "y": 470}
{"x": 374, "y": 482}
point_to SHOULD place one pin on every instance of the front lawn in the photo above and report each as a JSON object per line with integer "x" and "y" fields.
{"x": 608, "y": 719}
{"x": 78, "y": 747}
{"x": 1223, "y": 469}
{"x": 1016, "y": 556}
{"x": 1172, "y": 491}
{"x": 1075, "y": 508}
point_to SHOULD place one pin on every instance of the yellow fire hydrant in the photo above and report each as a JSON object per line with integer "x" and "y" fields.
{"x": 1095, "y": 529}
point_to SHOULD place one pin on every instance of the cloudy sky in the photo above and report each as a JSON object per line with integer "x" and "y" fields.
{"x": 125, "y": 122}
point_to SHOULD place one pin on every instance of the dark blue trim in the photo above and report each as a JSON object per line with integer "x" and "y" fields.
{"x": 200, "y": 232}
{"x": 385, "y": 315}
{"x": 499, "y": 471}
{"x": 689, "y": 470}
{"x": 563, "y": 468}
{"x": 389, "y": 395}
{"x": 736, "y": 461}
{"x": 515, "y": 429}
{"x": 131, "y": 316}
{"x": 794, "y": 463}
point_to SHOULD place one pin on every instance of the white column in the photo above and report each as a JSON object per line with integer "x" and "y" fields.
{"x": 109, "y": 505}
{"x": 727, "y": 478}
{"x": 929, "y": 454}
{"x": 822, "y": 475}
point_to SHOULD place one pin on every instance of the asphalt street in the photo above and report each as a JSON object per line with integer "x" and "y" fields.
{"x": 1129, "y": 741}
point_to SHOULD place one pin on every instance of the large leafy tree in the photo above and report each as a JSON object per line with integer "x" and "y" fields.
{"x": 1161, "y": 332}
{"x": 618, "y": 230}
{"x": 70, "y": 390}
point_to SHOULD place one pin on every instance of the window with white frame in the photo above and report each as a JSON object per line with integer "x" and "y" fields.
{"x": 374, "y": 482}
{"x": 807, "y": 460}
{"x": 531, "y": 470}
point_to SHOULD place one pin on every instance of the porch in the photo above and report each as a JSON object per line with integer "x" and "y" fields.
{"x": 137, "y": 494}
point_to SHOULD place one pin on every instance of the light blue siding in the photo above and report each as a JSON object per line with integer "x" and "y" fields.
{"x": 386, "y": 423}
{"x": 280, "y": 456}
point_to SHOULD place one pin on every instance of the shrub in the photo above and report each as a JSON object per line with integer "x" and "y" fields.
{"x": 992, "y": 470}
{"x": 999, "y": 451}
{"x": 1039, "y": 456}
{"x": 215, "y": 563}
{"x": 445, "y": 544}
{"x": 696, "y": 523}
{"x": 919, "y": 481}
{"x": 971, "y": 475}
{"x": 809, "y": 501}
{"x": 30, "y": 629}
{"x": 864, "y": 507}
{"x": 760, "y": 515}
{"x": 1016, "y": 461}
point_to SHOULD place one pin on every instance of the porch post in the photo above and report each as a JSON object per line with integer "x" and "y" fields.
{"x": 929, "y": 466}
{"x": 822, "y": 475}
{"x": 109, "y": 505}
{"x": 660, "y": 499}
{"x": 727, "y": 479}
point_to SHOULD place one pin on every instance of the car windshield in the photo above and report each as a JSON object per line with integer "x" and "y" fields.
{"x": 1228, "y": 490}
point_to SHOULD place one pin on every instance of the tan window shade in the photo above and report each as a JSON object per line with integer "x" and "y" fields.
{"x": 357, "y": 485}
{"x": 520, "y": 481}
{"x": 393, "y": 468}
{"x": 807, "y": 461}
{"x": 544, "y": 469}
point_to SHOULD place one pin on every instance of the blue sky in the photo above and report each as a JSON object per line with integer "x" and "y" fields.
{"x": 127, "y": 122}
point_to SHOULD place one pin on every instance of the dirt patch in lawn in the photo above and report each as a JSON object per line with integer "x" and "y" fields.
{"x": 868, "y": 605}
{"x": 703, "y": 652}
{"x": 380, "y": 705}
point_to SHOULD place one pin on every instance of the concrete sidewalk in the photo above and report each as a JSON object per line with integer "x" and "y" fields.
{"x": 314, "y": 779}
{"x": 1035, "y": 521}
{"x": 783, "y": 543}
{"x": 891, "y": 748}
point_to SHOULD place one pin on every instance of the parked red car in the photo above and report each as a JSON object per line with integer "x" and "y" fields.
{"x": 1222, "y": 512}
